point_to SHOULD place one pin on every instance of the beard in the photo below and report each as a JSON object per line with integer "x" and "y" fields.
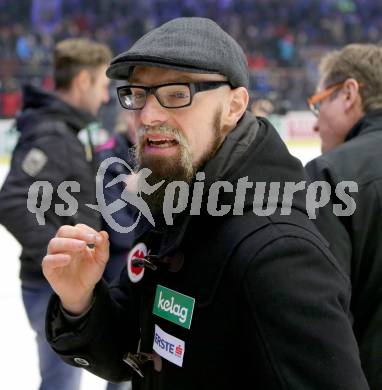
{"x": 179, "y": 167}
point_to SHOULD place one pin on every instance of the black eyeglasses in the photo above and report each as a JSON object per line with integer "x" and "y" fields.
{"x": 171, "y": 95}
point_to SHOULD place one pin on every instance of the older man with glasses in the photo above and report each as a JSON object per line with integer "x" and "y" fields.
{"x": 216, "y": 299}
{"x": 348, "y": 106}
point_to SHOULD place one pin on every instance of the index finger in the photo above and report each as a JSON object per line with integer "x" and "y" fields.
{"x": 79, "y": 232}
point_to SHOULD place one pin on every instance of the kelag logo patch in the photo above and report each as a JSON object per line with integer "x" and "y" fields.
{"x": 173, "y": 306}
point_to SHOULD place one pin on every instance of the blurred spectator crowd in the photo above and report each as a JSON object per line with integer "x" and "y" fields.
{"x": 283, "y": 39}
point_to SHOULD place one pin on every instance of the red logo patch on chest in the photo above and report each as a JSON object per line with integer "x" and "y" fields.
{"x": 135, "y": 272}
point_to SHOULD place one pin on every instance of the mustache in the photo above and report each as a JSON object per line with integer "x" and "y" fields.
{"x": 163, "y": 130}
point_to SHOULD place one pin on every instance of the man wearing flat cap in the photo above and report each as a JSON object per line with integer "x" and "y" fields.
{"x": 222, "y": 286}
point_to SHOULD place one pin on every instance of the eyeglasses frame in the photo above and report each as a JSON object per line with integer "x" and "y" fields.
{"x": 194, "y": 87}
{"x": 320, "y": 96}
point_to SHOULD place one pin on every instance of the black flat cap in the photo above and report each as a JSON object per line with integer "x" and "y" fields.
{"x": 195, "y": 45}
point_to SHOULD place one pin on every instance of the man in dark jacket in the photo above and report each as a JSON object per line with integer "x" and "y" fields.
{"x": 227, "y": 288}
{"x": 350, "y": 126}
{"x": 50, "y": 151}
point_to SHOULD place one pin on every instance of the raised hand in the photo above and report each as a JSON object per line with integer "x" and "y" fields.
{"x": 73, "y": 268}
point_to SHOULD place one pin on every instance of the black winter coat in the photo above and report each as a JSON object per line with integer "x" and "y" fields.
{"x": 271, "y": 304}
{"x": 356, "y": 240}
{"x": 49, "y": 128}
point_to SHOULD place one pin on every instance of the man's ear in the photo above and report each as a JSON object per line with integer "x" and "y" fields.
{"x": 238, "y": 102}
{"x": 352, "y": 95}
{"x": 82, "y": 80}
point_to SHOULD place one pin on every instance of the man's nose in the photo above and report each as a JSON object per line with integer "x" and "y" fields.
{"x": 153, "y": 114}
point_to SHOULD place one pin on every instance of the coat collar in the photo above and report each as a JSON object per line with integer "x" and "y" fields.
{"x": 370, "y": 122}
{"x": 40, "y": 105}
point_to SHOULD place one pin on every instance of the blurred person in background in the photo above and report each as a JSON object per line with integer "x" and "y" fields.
{"x": 262, "y": 107}
{"x": 205, "y": 302}
{"x": 49, "y": 150}
{"x": 348, "y": 105}
{"x": 120, "y": 145}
